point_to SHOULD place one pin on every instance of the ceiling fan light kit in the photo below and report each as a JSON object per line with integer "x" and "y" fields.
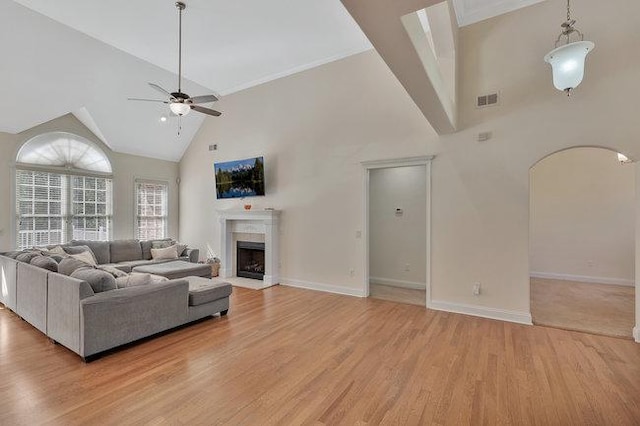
{"x": 180, "y": 103}
{"x": 567, "y": 61}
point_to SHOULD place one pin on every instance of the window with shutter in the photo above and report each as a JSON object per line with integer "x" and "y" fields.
{"x": 151, "y": 210}
{"x": 62, "y": 191}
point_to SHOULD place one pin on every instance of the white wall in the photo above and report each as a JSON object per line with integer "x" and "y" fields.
{"x": 125, "y": 169}
{"x": 583, "y": 217}
{"x": 398, "y": 243}
{"x": 315, "y": 128}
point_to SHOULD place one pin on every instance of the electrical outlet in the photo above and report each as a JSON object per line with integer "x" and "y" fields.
{"x": 476, "y": 289}
{"x": 590, "y": 263}
{"x": 358, "y": 234}
{"x": 352, "y": 272}
{"x": 407, "y": 267}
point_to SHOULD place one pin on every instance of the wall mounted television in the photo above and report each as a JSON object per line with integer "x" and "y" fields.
{"x": 240, "y": 178}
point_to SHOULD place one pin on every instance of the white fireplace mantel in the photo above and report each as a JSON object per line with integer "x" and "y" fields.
{"x": 250, "y": 222}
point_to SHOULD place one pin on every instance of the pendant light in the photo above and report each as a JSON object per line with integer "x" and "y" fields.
{"x": 567, "y": 61}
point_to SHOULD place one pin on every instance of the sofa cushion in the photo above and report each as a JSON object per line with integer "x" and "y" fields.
{"x": 69, "y": 264}
{"x": 27, "y": 256}
{"x": 98, "y": 280}
{"x": 204, "y": 290}
{"x": 45, "y": 262}
{"x": 119, "y": 266}
{"x": 122, "y": 250}
{"x": 147, "y": 245}
{"x": 100, "y": 249}
{"x": 71, "y": 250}
{"x": 170, "y": 252}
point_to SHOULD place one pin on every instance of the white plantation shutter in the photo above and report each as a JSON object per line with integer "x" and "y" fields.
{"x": 63, "y": 191}
{"x": 92, "y": 209}
{"x": 41, "y": 198}
{"x": 46, "y": 214}
{"x": 151, "y": 210}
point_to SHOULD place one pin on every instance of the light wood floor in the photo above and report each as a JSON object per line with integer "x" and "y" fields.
{"x": 593, "y": 308}
{"x": 398, "y": 294}
{"x": 293, "y": 356}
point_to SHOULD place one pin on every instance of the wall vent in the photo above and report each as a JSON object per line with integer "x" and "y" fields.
{"x": 213, "y": 147}
{"x": 484, "y": 101}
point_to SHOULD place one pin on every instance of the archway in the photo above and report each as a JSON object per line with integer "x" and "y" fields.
{"x": 582, "y": 241}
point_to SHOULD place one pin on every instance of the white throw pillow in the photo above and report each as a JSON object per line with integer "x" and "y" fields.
{"x": 165, "y": 253}
{"x": 85, "y": 257}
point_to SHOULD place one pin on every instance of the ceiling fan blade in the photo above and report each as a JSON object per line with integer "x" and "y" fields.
{"x": 160, "y": 89}
{"x": 206, "y": 110}
{"x": 203, "y": 99}
{"x": 147, "y": 100}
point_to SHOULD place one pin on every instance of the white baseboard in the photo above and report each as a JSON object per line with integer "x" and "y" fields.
{"x": 328, "y": 288}
{"x": 519, "y": 317}
{"x": 583, "y": 278}
{"x": 398, "y": 283}
{"x": 636, "y": 334}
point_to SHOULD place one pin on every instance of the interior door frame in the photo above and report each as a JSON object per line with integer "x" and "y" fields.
{"x": 368, "y": 166}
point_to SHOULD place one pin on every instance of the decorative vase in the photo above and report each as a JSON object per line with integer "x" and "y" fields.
{"x": 247, "y": 206}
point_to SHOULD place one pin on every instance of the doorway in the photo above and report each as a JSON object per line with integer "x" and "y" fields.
{"x": 582, "y": 242}
{"x": 397, "y": 211}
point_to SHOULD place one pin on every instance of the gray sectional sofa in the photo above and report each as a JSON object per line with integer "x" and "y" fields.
{"x": 88, "y": 320}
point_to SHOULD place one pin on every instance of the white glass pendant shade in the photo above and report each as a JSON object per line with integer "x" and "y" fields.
{"x": 567, "y": 63}
{"x": 178, "y": 108}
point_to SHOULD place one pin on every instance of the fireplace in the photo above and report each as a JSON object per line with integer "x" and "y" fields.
{"x": 250, "y": 260}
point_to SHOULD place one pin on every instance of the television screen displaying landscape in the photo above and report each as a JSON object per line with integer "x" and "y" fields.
{"x": 240, "y": 178}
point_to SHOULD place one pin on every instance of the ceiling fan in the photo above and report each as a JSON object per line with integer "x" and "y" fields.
{"x": 180, "y": 103}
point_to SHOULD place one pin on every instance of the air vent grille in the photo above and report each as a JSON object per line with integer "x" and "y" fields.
{"x": 484, "y": 101}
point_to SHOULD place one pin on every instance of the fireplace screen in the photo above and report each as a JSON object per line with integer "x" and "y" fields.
{"x": 250, "y": 260}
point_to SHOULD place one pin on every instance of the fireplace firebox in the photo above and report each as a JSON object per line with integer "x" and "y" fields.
{"x": 250, "y": 260}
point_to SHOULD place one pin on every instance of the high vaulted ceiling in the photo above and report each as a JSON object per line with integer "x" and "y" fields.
{"x": 87, "y": 57}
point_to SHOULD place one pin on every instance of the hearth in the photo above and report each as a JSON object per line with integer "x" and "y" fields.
{"x": 250, "y": 260}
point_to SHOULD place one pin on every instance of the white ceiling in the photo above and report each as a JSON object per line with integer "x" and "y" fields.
{"x": 87, "y": 57}
{"x": 228, "y": 45}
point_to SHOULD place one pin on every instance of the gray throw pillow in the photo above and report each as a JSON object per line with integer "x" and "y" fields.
{"x": 78, "y": 250}
{"x": 117, "y": 273}
{"x": 58, "y": 258}
{"x": 69, "y": 264}
{"x": 45, "y": 262}
{"x": 181, "y": 248}
{"x": 13, "y": 254}
{"x": 98, "y": 280}
{"x": 26, "y": 257}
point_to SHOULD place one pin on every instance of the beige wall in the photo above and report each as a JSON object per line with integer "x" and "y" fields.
{"x": 315, "y": 128}
{"x": 125, "y": 169}
{"x": 398, "y": 243}
{"x": 583, "y": 217}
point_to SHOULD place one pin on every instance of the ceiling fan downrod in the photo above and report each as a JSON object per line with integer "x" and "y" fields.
{"x": 181, "y": 6}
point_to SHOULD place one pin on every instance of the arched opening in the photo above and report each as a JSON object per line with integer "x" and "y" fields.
{"x": 63, "y": 191}
{"x": 582, "y": 241}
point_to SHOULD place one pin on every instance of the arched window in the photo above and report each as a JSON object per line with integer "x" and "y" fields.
{"x": 63, "y": 191}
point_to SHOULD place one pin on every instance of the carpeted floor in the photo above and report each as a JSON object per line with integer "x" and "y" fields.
{"x": 593, "y": 308}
